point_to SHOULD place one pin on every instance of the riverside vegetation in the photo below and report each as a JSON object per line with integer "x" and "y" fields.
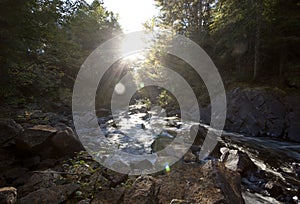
{"x": 254, "y": 44}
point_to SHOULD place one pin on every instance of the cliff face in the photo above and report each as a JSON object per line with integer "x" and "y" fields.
{"x": 261, "y": 112}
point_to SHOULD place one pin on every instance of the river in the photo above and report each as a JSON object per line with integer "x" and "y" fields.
{"x": 136, "y": 130}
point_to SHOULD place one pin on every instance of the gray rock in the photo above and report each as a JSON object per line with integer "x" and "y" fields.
{"x": 161, "y": 143}
{"x": 66, "y": 142}
{"x": 200, "y": 133}
{"x": 237, "y": 161}
{"x": 111, "y": 196}
{"x": 33, "y": 137}
{"x": 257, "y": 112}
{"x": 293, "y": 118}
{"x": 8, "y": 195}
{"x": 53, "y": 195}
{"x": 38, "y": 181}
{"x": 211, "y": 183}
{"x": 228, "y": 182}
{"x": 144, "y": 190}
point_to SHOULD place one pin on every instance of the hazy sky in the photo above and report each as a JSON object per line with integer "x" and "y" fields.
{"x": 132, "y": 13}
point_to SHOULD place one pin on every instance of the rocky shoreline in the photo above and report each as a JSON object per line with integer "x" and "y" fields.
{"x": 42, "y": 161}
{"x": 261, "y": 112}
{"x": 44, "y": 164}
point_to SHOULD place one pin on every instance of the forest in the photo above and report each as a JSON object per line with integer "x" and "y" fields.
{"x": 43, "y": 43}
{"x": 55, "y": 149}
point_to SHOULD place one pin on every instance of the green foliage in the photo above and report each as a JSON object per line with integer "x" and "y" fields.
{"x": 245, "y": 38}
{"x": 44, "y": 42}
{"x": 164, "y": 99}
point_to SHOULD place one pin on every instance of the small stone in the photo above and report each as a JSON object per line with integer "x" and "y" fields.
{"x": 176, "y": 201}
{"x": 8, "y": 195}
{"x": 78, "y": 193}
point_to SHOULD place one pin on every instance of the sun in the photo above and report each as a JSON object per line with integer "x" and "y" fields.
{"x": 132, "y": 13}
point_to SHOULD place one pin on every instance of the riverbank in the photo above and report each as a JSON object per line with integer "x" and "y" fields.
{"x": 42, "y": 158}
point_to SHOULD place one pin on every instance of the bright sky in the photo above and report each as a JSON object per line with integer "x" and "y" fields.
{"x": 132, "y": 13}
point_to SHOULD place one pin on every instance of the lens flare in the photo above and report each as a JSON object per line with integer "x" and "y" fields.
{"x": 167, "y": 168}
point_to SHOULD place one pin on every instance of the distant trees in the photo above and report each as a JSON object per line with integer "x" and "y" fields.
{"x": 44, "y": 42}
{"x": 250, "y": 38}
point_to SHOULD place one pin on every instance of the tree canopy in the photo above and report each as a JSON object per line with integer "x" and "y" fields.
{"x": 249, "y": 38}
{"x": 44, "y": 42}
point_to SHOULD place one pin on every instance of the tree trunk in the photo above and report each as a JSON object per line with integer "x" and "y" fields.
{"x": 257, "y": 39}
{"x": 283, "y": 57}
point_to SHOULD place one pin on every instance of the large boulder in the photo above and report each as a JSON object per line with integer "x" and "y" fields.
{"x": 48, "y": 142}
{"x": 66, "y": 142}
{"x": 261, "y": 112}
{"x": 293, "y": 118}
{"x": 9, "y": 130}
{"x": 255, "y": 112}
{"x": 236, "y": 160}
{"x": 54, "y": 195}
{"x": 34, "y": 137}
{"x": 211, "y": 183}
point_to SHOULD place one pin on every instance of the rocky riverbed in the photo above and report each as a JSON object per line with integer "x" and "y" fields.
{"x": 43, "y": 161}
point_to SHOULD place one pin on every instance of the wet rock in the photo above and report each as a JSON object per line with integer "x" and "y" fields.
{"x": 144, "y": 190}
{"x": 53, "y": 195}
{"x": 8, "y": 195}
{"x": 141, "y": 165}
{"x": 101, "y": 112}
{"x": 9, "y": 130}
{"x": 160, "y": 143}
{"x": 195, "y": 148}
{"x": 237, "y": 161}
{"x": 255, "y": 198}
{"x": 273, "y": 189}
